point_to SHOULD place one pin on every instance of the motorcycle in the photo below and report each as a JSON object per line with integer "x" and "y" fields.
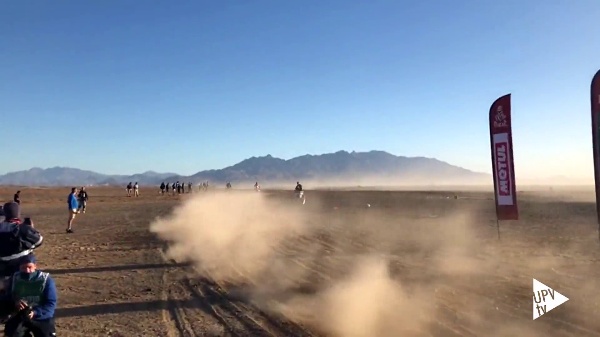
{"x": 300, "y": 195}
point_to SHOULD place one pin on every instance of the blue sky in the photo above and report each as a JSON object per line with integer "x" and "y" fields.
{"x": 128, "y": 86}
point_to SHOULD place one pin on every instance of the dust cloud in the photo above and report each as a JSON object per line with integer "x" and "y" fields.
{"x": 228, "y": 235}
{"x": 401, "y": 278}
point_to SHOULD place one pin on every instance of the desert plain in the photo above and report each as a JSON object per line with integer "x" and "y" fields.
{"x": 345, "y": 264}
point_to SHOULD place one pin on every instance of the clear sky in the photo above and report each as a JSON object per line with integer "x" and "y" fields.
{"x": 125, "y": 86}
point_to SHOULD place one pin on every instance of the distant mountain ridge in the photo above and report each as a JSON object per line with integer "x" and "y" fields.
{"x": 342, "y": 167}
{"x": 67, "y": 176}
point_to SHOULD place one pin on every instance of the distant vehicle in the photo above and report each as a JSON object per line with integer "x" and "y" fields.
{"x": 300, "y": 195}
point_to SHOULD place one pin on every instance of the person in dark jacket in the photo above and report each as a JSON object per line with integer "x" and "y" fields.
{"x": 82, "y": 198}
{"x": 16, "y": 239}
{"x": 33, "y": 292}
{"x": 17, "y": 197}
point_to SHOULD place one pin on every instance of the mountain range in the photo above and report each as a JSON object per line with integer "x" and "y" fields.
{"x": 331, "y": 169}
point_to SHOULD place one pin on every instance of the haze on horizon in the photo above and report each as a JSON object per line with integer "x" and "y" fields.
{"x": 126, "y": 87}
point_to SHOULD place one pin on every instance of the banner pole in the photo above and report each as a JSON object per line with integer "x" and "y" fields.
{"x": 498, "y": 227}
{"x": 595, "y": 111}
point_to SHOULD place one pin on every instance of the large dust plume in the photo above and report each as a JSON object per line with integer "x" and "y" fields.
{"x": 366, "y": 272}
{"x": 228, "y": 235}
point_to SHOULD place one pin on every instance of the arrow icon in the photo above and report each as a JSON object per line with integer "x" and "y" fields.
{"x": 545, "y": 299}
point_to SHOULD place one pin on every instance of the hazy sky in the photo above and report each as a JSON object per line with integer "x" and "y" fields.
{"x": 127, "y": 86}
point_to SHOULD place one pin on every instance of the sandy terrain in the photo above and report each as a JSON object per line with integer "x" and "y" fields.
{"x": 241, "y": 263}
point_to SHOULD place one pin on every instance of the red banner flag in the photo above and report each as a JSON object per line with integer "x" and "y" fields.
{"x": 502, "y": 159}
{"x": 595, "y": 100}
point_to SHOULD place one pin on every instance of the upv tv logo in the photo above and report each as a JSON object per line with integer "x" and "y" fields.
{"x": 545, "y": 299}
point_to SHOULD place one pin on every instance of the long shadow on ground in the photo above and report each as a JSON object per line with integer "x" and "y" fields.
{"x": 115, "y": 268}
{"x": 120, "y": 308}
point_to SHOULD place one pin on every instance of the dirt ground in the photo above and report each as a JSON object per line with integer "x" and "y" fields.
{"x": 345, "y": 264}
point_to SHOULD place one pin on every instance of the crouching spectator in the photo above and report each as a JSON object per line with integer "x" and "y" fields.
{"x": 34, "y": 295}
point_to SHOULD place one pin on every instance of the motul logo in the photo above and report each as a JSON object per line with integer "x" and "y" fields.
{"x": 502, "y": 170}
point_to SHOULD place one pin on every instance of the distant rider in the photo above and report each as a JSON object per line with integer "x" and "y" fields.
{"x": 16, "y": 239}
{"x": 298, "y": 187}
{"x": 33, "y": 293}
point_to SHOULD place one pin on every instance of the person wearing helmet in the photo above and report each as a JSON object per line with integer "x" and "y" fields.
{"x": 17, "y": 239}
{"x": 298, "y": 187}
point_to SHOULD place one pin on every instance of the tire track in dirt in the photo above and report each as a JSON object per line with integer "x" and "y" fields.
{"x": 254, "y": 321}
{"x": 231, "y": 323}
{"x": 236, "y": 317}
{"x": 173, "y": 315}
{"x": 281, "y": 323}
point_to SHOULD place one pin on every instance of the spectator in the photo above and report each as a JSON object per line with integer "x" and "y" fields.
{"x": 34, "y": 294}
{"x": 17, "y": 197}
{"x": 16, "y": 239}
{"x": 73, "y": 208}
{"x": 82, "y": 198}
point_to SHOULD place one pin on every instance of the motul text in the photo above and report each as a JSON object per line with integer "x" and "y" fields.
{"x": 502, "y": 169}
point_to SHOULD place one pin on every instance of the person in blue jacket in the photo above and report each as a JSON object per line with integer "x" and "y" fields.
{"x": 35, "y": 297}
{"x": 73, "y": 208}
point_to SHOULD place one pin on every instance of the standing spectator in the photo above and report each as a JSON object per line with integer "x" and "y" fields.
{"x": 136, "y": 189}
{"x": 73, "y": 206}
{"x": 82, "y": 198}
{"x": 162, "y": 188}
{"x": 190, "y": 187}
{"x": 16, "y": 239}
{"x": 167, "y": 185}
{"x": 17, "y": 197}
